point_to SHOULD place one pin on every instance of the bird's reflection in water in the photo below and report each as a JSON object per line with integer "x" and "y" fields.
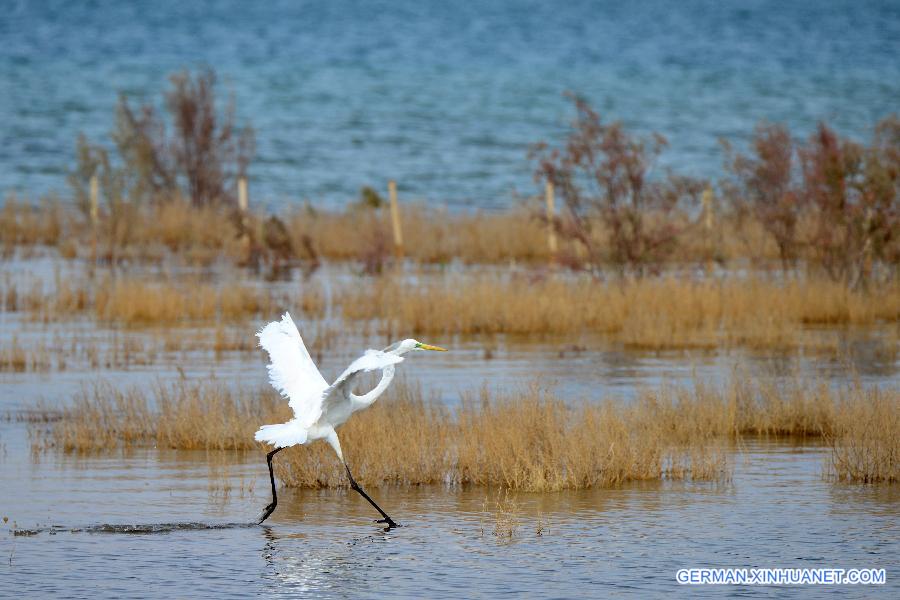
{"x": 305, "y": 562}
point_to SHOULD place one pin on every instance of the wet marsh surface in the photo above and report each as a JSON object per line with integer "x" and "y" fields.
{"x": 159, "y": 522}
{"x": 181, "y": 523}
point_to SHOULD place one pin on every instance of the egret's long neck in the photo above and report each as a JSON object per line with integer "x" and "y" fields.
{"x": 387, "y": 375}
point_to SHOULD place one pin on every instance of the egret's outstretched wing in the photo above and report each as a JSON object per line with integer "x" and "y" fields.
{"x": 292, "y": 371}
{"x": 372, "y": 360}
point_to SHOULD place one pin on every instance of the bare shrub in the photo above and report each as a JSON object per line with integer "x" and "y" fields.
{"x": 200, "y": 159}
{"x": 765, "y": 187}
{"x": 603, "y": 176}
{"x": 830, "y": 199}
{"x": 852, "y": 191}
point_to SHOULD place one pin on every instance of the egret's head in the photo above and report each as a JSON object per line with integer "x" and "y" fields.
{"x": 401, "y": 348}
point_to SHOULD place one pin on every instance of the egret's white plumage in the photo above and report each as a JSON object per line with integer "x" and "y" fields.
{"x": 292, "y": 371}
{"x": 320, "y": 408}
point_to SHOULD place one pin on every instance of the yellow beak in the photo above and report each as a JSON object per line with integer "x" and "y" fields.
{"x": 430, "y": 347}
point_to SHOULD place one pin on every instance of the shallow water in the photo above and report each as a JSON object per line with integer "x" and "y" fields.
{"x": 579, "y": 366}
{"x": 177, "y": 523}
{"x": 444, "y": 97}
{"x": 180, "y": 524}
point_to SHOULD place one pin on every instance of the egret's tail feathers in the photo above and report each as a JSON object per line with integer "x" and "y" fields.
{"x": 282, "y": 435}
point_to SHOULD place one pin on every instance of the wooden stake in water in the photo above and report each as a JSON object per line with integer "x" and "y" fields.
{"x": 243, "y": 205}
{"x": 551, "y": 214}
{"x": 395, "y": 217}
{"x": 94, "y": 212}
{"x": 243, "y": 200}
{"x": 94, "y": 208}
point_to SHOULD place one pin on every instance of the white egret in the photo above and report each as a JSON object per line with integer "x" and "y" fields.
{"x": 320, "y": 408}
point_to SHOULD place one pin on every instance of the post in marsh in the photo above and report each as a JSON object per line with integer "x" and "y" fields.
{"x": 243, "y": 201}
{"x": 395, "y": 218}
{"x": 550, "y": 198}
{"x": 94, "y": 212}
{"x": 243, "y": 206}
{"x": 708, "y": 224}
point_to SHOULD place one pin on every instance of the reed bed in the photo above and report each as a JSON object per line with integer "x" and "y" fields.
{"x": 140, "y": 301}
{"x": 645, "y": 314}
{"x": 531, "y": 440}
{"x": 17, "y": 358}
{"x": 431, "y": 235}
{"x": 201, "y": 235}
{"x": 137, "y": 302}
{"x": 184, "y": 416}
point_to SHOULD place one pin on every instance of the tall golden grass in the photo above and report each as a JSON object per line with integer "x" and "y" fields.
{"x": 644, "y": 314}
{"x": 135, "y": 301}
{"x": 865, "y": 440}
{"x": 530, "y": 440}
{"x": 430, "y": 235}
{"x": 652, "y": 314}
{"x": 183, "y": 416}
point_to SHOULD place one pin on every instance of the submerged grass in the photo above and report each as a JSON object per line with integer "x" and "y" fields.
{"x": 530, "y": 441}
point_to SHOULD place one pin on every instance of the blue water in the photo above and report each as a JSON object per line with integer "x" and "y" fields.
{"x": 445, "y": 97}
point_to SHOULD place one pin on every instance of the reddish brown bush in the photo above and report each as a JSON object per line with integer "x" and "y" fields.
{"x": 852, "y": 193}
{"x": 199, "y": 161}
{"x": 602, "y": 175}
{"x": 766, "y": 187}
{"x": 845, "y": 193}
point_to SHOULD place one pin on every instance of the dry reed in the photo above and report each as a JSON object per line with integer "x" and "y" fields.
{"x": 182, "y": 416}
{"x": 530, "y": 441}
{"x": 202, "y": 235}
{"x": 137, "y": 301}
{"x": 865, "y": 442}
{"x": 649, "y": 314}
{"x": 16, "y": 358}
{"x": 506, "y": 515}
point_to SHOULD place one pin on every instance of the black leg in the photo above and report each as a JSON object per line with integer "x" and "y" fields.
{"x": 271, "y": 507}
{"x": 386, "y": 519}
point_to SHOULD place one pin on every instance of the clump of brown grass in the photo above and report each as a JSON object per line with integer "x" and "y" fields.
{"x": 865, "y": 441}
{"x": 650, "y": 314}
{"x": 139, "y": 301}
{"x": 793, "y": 407}
{"x": 529, "y": 441}
{"x": 22, "y": 223}
{"x": 17, "y": 359}
{"x": 505, "y": 515}
{"x": 181, "y": 416}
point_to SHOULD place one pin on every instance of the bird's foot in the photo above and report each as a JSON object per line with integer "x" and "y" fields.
{"x": 388, "y": 521}
{"x": 266, "y": 512}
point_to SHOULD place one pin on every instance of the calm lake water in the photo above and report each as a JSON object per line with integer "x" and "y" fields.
{"x": 444, "y": 97}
